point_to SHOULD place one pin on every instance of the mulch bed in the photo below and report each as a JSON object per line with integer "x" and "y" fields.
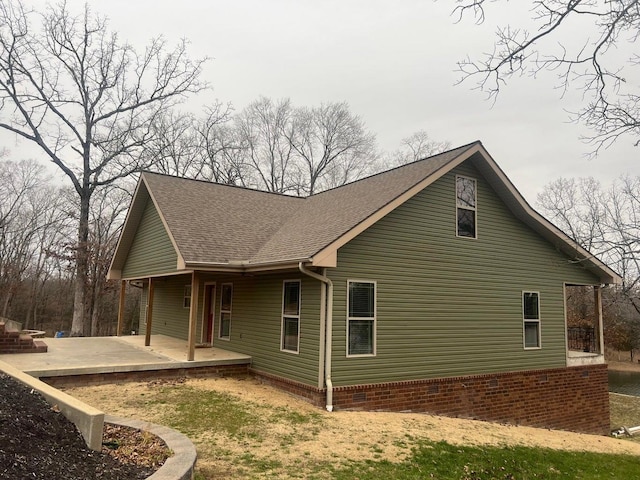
{"x": 38, "y": 442}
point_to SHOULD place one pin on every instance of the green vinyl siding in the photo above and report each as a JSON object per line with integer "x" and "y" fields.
{"x": 450, "y": 306}
{"x": 169, "y": 316}
{"x": 151, "y": 251}
{"x": 256, "y": 315}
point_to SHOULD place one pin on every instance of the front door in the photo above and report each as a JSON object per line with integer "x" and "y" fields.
{"x": 210, "y": 296}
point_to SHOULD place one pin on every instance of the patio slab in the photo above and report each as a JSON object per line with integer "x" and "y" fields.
{"x": 90, "y": 355}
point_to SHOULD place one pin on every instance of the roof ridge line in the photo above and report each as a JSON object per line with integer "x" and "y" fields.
{"x": 208, "y": 182}
{"x": 462, "y": 148}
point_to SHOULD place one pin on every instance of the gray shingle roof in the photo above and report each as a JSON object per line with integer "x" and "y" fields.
{"x": 326, "y": 216}
{"x": 213, "y": 223}
{"x": 220, "y": 226}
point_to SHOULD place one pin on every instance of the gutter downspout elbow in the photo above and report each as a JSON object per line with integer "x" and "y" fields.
{"x": 328, "y": 325}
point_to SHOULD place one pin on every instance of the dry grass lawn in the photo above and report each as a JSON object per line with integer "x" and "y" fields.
{"x": 242, "y": 428}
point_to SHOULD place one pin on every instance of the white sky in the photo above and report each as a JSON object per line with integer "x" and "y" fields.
{"x": 393, "y": 62}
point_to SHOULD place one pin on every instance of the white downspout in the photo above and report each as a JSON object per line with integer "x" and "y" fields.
{"x": 325, "y": 323}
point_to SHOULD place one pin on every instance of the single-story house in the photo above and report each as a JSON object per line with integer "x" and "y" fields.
{"x": 431, "y": 287}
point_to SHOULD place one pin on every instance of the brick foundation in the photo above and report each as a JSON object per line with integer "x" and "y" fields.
{"x": 315, "y": 396}
{"x": 574, "y": 399}
{"x": 147, "y": 375}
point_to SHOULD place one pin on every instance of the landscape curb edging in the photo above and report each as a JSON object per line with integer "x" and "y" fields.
{"x": 180, "y": 466}
{"x": 88, "y": 420}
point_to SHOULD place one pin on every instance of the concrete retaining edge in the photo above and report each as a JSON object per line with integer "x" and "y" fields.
{"x": 181, "y": 465}
{"x": 88, "y": 420}
{"x": 90, "y": 423}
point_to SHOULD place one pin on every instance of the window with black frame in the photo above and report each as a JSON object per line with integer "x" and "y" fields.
{"x": 361, "y": 318}
{"x": 466, "y": 205}
{"x": 290, "y": 337}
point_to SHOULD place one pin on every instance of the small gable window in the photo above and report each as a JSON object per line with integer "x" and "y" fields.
{"x": 361, "y": 318}
{"x": 290, "y": 336}
{"x": 466, "y": 207}
{"x": 225, "y": 311}
{"x": 531, "y": 318}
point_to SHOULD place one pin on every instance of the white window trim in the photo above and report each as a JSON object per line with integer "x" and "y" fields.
{"x": 186, "y": 295}
{"x": 474, "y": 209}
{"x": 222, "y": 285}
{"x": 530, "y": 320}
{"x": 375, "y": 318}
{"x": 282, "y": 349}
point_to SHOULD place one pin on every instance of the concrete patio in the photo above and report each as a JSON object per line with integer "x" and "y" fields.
{"x": 104, "y": 355}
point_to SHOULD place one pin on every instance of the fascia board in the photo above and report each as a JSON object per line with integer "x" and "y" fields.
{"x": 131, "y": 221}
{"x": 180, "y": 264}
{"x": 332, "y": 249}
{"x": 160, "y": 275}
{"x": 521, "y": 209}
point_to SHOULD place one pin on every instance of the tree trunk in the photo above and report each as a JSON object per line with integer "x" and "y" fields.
{"x": 80, "y": 287}
{"x": 6, "y": 302}
{"x": 94, "y": 321}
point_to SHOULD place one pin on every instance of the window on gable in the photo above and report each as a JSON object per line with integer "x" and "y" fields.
{"x": 361, "y": 318}
{"x": 225, "y": 311}
{"x": 186, "y": 300}
{"x": 290, "y": 335}
{"x": 466, "y": 207}
{"x": 531, "y": 319}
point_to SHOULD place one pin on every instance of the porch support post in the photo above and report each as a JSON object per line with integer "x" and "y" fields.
{"x": 597, "y": 297}
{"x": 147, "y": 333}
{"x": 193, "y": 316}
{"x": 123, "y": 285}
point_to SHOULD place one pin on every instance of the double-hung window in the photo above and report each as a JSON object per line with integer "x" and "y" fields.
{"x": 225, "y": 311}
{"x": 531, "y": 319}
{"x": 466, "y": 207}
{"x": 361, "y": 318}
{"x": 290, "y": 335}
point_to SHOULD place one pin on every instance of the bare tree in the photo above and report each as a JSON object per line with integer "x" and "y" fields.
{"x": 33, "y": 222}
{"x": 263, "y": 130}
{"x": 191, "y": 147}
{"x": 173, "y": 148}
{"x": 106, "y": 220}
{"x": 605, "y": 221}
{"x": 416, "y": 147}
{"x": 87, "y": 100}
{"x": 581, "y": 42}
{"x": 269, "y": 145}
{"x": 332, "y": 145}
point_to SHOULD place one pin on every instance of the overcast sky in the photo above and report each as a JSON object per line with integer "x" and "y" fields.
{"x": 393, "y": 62}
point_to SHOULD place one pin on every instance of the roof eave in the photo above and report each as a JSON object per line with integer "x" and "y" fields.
{"x": 331, "y": 250}
{"x": 522, "y": 210}
{"x": 246, "y": 266}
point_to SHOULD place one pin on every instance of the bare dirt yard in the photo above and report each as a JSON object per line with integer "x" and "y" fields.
{"x": 290, "y": 435}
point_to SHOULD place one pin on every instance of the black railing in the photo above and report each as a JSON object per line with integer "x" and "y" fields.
{"x": 582, "y": 339}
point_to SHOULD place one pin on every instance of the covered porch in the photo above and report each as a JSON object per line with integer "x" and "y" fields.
{"x": 584, "y": 325}
{"x": 198, "y": 302}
